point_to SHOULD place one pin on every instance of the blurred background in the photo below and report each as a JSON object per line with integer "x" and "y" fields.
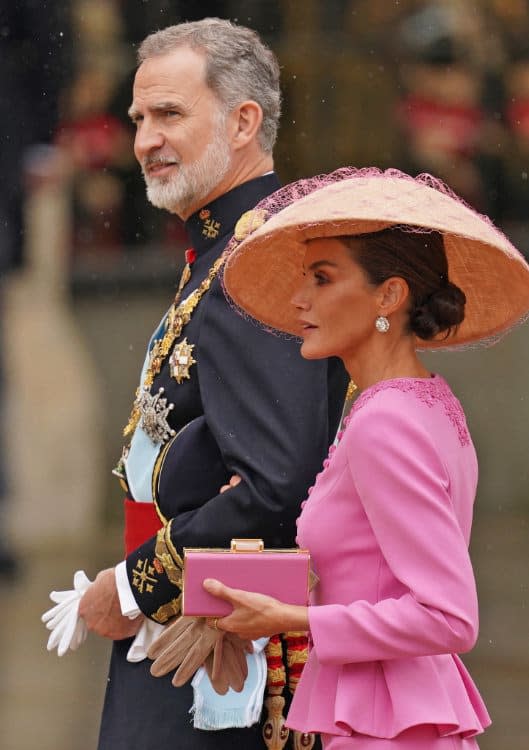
{"x": 88, "y": 267}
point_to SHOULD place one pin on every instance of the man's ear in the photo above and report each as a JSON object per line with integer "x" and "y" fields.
{"x": 245, "y": 121}
{"x": 394, "y": 295}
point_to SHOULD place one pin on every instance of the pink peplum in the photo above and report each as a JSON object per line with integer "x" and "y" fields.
{"x": 388, "y": 526}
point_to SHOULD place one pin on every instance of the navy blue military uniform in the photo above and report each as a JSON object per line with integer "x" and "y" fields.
{"x": 251, "y": 406}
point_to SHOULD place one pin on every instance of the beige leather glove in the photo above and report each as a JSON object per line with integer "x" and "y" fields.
{"x": 189, "y": 642}
{"x": 227, "y": 666}
{"x": 179, "y": 635}
{"x": 184, "y": 646}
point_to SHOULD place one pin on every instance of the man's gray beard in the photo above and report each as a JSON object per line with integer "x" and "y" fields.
{"x": 192, "y": 182}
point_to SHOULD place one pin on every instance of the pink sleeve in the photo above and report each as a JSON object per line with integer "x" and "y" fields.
{"x": 403, "y": 485}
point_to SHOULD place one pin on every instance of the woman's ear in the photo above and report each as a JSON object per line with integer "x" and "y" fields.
{"x": 246, "y": 121}
{"x": 394, "y": 295}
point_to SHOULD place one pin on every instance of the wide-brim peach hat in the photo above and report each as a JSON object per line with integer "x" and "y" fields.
{"x": 264, "y": 262}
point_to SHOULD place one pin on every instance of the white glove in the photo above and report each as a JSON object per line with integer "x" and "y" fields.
{"x": 68, "y": 630}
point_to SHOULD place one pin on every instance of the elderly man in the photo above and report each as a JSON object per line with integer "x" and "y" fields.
{"x": 217, "y": 396}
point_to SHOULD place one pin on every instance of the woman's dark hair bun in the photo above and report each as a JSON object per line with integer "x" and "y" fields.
{"x": 440, "y": 311}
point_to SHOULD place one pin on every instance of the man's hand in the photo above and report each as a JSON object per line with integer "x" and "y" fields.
{"x": 234, "y": 481}
{"x": 101, "y": 611}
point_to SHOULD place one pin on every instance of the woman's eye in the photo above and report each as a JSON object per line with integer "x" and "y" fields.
{"x": 320, "y": 278}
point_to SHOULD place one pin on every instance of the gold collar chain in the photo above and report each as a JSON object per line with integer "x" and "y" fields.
{"x": 178, "y": 316}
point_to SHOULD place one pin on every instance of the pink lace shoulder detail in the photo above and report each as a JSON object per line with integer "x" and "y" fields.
{"x": 431, "y": 391}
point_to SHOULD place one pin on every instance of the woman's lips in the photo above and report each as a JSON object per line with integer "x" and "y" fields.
{"x": 306, "y": 326}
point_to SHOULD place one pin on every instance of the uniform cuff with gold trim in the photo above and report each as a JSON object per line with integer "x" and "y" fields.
{"x": 155, "y": 574}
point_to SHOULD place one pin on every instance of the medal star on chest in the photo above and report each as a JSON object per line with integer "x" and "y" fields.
{"x": 181, "y": 360}
{"x": 154, "y": 411}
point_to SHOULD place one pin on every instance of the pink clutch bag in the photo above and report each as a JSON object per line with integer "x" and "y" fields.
{"x": 281, "y": 573}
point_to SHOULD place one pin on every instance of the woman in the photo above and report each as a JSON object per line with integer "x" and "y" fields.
{"x": 369, "y": 269}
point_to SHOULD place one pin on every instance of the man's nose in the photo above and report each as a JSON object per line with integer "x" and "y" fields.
{"x": 148, "y": 138}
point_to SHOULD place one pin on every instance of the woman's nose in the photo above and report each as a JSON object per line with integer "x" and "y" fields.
{"x": 300, "y": 301}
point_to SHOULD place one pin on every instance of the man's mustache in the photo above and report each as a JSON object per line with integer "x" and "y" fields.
{"x": 156, "y": 161}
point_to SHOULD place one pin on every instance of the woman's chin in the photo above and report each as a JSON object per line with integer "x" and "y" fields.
{"x": 311, "y": 351}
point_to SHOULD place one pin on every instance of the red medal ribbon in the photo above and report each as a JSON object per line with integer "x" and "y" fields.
{"x": 141, "y": 523}
{"x": 191, "y": 255}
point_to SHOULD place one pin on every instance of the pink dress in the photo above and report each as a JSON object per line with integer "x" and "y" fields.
{"x": 388, "y": 525}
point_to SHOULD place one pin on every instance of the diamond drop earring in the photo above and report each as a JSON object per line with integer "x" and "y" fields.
{"x": 382, "y": 324}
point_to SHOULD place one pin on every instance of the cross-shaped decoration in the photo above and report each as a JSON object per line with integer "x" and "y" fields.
{"x": 143, "y": 576}
{"x": 211, "y": 229}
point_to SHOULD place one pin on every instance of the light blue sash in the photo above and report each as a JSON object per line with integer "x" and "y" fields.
{"x": 139, "y": 464}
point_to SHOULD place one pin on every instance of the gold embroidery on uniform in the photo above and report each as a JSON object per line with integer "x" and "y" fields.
{"x": 143, "y": 576}
{"x": 172, "y": 549}
{"x": 166, "y": 611}
{"x": 172, "y": 565}
{"x": 211, "y": 229}
{"x": 156, "y": 475}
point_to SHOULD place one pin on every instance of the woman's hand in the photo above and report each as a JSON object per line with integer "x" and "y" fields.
{"x": 255, "y": 615}
{"x": 234, "y": 481}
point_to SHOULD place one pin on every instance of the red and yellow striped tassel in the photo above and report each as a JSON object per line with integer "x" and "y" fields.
{"x": 275, "y": 733}
{"x": 297, "y": 643}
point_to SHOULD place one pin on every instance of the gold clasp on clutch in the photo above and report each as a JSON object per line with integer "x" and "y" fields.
{"x": 247, "y": 545}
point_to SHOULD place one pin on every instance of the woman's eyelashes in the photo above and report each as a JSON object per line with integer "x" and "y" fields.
{"x": 321, "y": 278}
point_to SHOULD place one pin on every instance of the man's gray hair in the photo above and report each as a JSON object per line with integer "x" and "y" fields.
{"x": 238, "y": 66}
